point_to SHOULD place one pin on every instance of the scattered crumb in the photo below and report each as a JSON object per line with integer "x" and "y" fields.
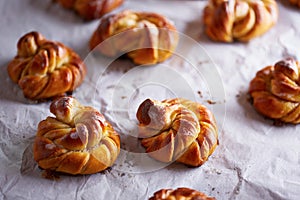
{"x": 212, "y": 189}
{"x": 123, "y": 174}
{"x": 200, "y": 94}
{"x": 203, "y": 62}
{"x": 123, "y": 97}
{"x": 211, "y": 102}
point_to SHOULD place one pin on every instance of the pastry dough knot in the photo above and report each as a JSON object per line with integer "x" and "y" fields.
{"x": 180, "y": 194}
{"x": 147, "y": 38}
{"x": 177, "y": 129}
{"x": 44, "y": 68}
{"x": 229, "y": 20}
{"x": 77, "y": 141}
{"x": 276, "y": 91}
{"x": 90, "y": 9}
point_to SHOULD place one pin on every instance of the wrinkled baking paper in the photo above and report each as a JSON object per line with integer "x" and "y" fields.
{"x": 254, "y": 158}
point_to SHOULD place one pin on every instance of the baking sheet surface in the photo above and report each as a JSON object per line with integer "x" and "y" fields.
{"x": 254, "y": 160}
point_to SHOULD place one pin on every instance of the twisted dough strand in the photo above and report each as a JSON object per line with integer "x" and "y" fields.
{"x": 77, "y": 141}
{"x": 180, "y": 194}
{"x": 177, "y": 129}
{"x": 275, "y": 91}
{"x": 229, "y": 20}
{"x": 147, "y": 38}
{"x": 45, "y": 69}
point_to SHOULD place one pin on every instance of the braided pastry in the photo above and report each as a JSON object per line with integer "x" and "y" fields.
{"x": 45, "y": 69}
{"x": 90, "y": 9}
{"x": 177, "y": 129}
{"x": 276, "y": 92}
{"x": 295, "y": 2}
{"x": 148, "y": 37}
{"x": 228, "y": 20}
{"x": 180, "y": 194}
{"x": 77, "y": 141}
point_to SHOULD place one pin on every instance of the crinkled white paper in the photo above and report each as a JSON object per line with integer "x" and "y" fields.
{"x": 254, "y": 160}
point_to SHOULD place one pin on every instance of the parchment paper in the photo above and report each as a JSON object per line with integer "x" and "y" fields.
{"x": 254, "y": 160}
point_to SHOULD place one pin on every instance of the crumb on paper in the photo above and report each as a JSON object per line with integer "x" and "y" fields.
{"x": 203, "y": 62}
{"x": 211, "y": 102}
{"x": 200, "y": 94}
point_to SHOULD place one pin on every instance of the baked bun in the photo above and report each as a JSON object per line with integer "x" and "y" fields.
{"x": 45, "y": 69}
{"x": 275, "y": 91}
{"x": 180, "y": 194}
{"x": 90, "y": 9}
{"x": 241, "y": 20}
{"x": 78, "y": 140}
{"x": 295, "y": 2}
{"x": 177, "y": 130}
{"x": 147, "y": 38}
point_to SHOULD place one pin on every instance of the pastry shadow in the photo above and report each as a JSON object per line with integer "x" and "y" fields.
{"x": 28, "y": 164}
{"x": 196, "y": 30}
{"x": 121, "y": 63}
{"x": 245, "y": 101}
{"x": 195, "y": 33}
{"x": 287, "y": 4}
{"x": 9, "y": 90}
{"x": 179, "y": 167}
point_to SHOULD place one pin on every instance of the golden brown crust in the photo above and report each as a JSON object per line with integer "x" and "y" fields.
{"x": 77, "y": 141}
{"x": 154, "y": 36}
{"x": 45, "y": 69}
{"x": 275, "y": 91}
{"x": 180, "y": 194}
{"x": 295, "y": 2}
{"x": 90, "y": 9}
{"x": 241, "y": 20}
{"x": 177, "y": 129}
